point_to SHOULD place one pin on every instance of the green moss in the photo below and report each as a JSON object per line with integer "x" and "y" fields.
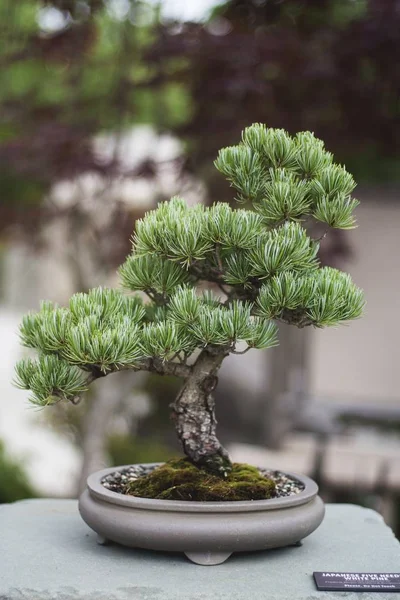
{"x": 179, "y": 479}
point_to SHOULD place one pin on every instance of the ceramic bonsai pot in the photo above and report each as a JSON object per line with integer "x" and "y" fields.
{"x": 207, "y": 532}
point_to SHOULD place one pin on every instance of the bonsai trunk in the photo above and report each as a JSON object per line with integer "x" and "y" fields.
{"x": 194, "y": 415}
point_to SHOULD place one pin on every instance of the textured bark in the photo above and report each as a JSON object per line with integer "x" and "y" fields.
{"x": 194, "y": 415}
{"x": 156, "y": 365}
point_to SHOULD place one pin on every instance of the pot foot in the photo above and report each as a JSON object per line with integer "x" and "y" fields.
{"x": 208, "y": 559}
{"x": 102, "y": 541}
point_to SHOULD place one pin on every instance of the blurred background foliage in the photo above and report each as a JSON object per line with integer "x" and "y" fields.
{"x": 14, "y": 483}
{"x": 73, "y": 71}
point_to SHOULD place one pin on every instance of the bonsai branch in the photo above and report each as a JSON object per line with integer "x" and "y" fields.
{"x": 156, "y": 297}
{"x": 218, "y": 257}
{"x": 241, "y": 351}
{"x": 207, "y": 272}
{"x": 322, "y": 236}
{"x": 298, "y": 317}
{"x": 154, "y": 365}
{"x": 161, "y": 367}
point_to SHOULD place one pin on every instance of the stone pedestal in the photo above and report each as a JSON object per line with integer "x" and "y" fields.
{"x": 48, "y": 553}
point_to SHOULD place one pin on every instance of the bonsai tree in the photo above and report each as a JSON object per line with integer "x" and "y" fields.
{"x": 259, "y": 257}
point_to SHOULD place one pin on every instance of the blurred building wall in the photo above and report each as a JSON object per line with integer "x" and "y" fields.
{"x": 361, "y": 361}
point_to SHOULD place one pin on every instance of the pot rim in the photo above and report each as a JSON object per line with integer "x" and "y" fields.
{"x": 97, "y": 490}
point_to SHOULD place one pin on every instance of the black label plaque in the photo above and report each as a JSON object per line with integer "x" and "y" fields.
{"x": 357, "y": 582}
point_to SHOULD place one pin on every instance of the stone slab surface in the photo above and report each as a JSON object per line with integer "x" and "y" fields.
{"x": 48, "y": 553}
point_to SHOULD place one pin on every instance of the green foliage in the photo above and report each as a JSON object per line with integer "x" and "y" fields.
{"x": 284, "y": 197}
{"x": 185, "y": 306}
{"x": 98, "y": 332}
{"x": 238, "y": 270}
{"x": 262, "y": 334}
{"x": 174, "y": 232}
{"x": 339, "y": 216}
{"x": 327, "y": 297}
{"x": 209, "y": 323}
{"x": 243, "y": 167}
{"x": 336, "y": 298}
{"x": 263, "y": 260}
{"x": 287, "y": 248}
{"x": 90, "y": 344}
{"x": 207, "y": 330}
{"x": 235, "y": 321}
{"x": 165, "y": 339}
{"x": 50, "y": 380}
{"x": 231, "y": 228}
{"x": 98, "y": 329}
{"x": 107, "y": 306}
{"x": 288, "y": 179}
{"x": 284, "y": 291}
{"x": 150, "y": 273}
{"x": 311, "y": 156}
